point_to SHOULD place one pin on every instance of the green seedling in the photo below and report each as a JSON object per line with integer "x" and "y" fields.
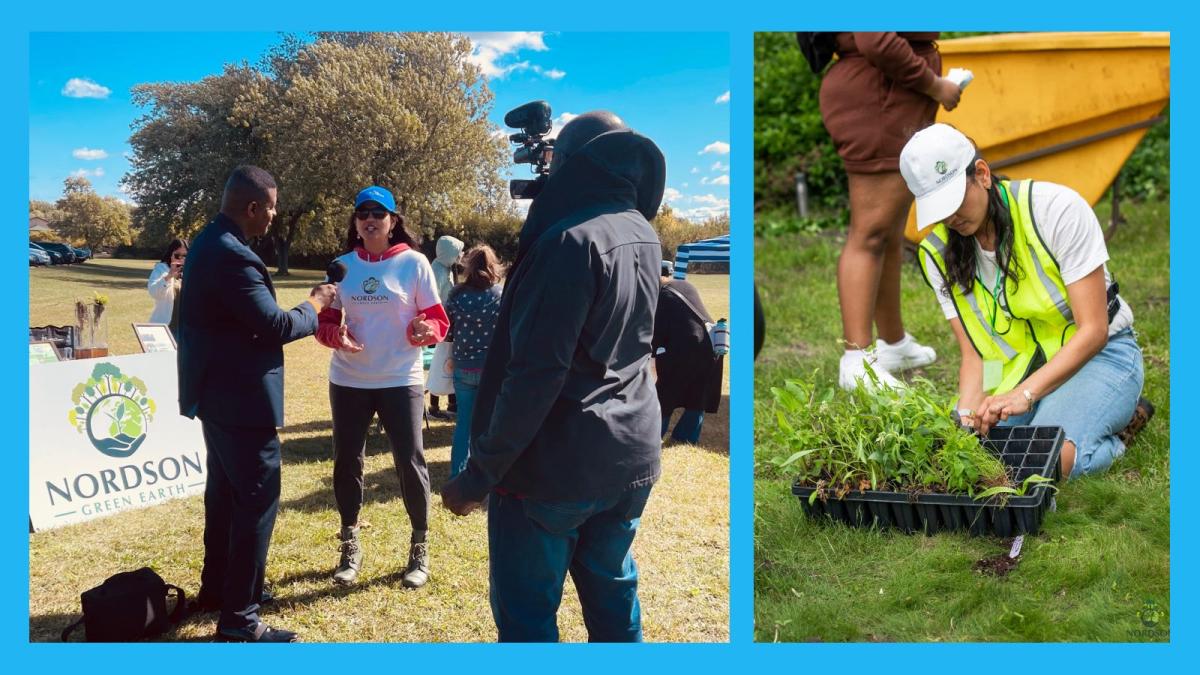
{"x": 876, "y": 438}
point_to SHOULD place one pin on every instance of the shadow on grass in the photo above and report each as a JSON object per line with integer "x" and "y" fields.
{"x": 49, "y": 627}
{"x": 107, "y": 276}
{"x": 287, "y": 606}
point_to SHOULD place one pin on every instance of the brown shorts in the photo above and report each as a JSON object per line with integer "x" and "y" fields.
{"x": 869, "y": 116}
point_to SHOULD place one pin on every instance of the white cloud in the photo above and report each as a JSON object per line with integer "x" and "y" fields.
{"x": 78, "y": 87}
{"x": 718, "y": 166}
{"x": 711, "y": 200}
{"x": 559, "y": 122}
{"x": 685, "y": 185}
{"x": 672, "y": 195}
{"x": 84, "y": 173}
{"x": 491, "y": 49}
{"x": 723, "y": 98}
{"x": 719, "y": 180}
{"x": 695, "y": 169}
{"x": 88, "y": 153}
{"x": 716, "y": 147}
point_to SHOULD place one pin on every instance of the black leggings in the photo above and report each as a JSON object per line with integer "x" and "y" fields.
{"x": 400, "y": 409}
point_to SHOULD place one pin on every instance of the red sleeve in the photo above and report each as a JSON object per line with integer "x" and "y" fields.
{"x": 441, "y": 323}
{"x": 329, "y": 323}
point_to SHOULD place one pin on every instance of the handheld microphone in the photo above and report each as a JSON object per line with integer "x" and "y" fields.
{"x": 335, "y": 272}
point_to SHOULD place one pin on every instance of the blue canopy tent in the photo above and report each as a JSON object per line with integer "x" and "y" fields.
{"x": 705, "y": 250}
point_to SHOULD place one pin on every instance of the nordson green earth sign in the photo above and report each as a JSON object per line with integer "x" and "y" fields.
{"x": 105, "y": 436}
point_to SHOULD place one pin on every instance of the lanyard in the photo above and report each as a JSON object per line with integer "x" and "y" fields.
{"x": 998, "y": 286}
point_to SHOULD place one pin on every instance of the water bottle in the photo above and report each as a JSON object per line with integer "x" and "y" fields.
{"x": 720, "y": 337}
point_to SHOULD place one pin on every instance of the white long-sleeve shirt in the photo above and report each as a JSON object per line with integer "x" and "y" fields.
{"x": 162, "y": 288}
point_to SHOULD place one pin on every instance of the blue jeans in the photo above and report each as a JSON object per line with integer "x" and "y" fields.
{"x": 466, "y": 383}
{"x": 1095, "y": 404}
{"x": 533, "y": 543}
{"x": 687, "y": 429}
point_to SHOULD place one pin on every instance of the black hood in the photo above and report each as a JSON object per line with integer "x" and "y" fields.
{"x": 620, "y": 169}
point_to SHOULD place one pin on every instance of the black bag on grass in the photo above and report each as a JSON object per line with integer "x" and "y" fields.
{"x": 127, "y": 607}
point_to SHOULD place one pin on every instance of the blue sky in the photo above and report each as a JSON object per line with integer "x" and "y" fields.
{"x": 673, "y": 87}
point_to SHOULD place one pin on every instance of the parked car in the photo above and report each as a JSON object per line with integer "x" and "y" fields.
{"x": 67, "y": 252}
{"x": 56, "y": 257}
{"x": 38, "y": 257}
{"x": 82, "y": 253}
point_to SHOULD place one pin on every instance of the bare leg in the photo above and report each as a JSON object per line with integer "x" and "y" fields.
{"x": 869, "y": 267}
{"x": 1067, "y": 459}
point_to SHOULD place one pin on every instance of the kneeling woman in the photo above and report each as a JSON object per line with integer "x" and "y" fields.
{"x": 1019, "y": 269}
{"x": 391, "y": 308}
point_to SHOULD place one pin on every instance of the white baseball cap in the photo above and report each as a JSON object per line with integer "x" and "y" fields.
{"x": 934, "y": 165}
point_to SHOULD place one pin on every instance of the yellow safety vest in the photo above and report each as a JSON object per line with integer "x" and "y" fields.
{"x": 1032, "y": 319}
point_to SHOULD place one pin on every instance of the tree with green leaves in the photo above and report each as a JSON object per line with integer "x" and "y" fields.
{"x": 86, "y": 216}
{"x": 326, "y": 117}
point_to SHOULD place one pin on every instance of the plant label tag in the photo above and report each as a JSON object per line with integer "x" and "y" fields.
{"x": 1016, "y": 546}
{"x": 993, "y": 373}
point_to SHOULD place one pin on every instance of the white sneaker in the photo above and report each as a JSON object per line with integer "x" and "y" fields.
{"x": 852, "y": 372}
{"x": 905, "y": 354}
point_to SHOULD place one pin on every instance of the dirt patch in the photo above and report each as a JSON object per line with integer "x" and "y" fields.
{"x": 998, "y": 565}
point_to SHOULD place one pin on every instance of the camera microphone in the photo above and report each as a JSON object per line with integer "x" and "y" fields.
{"x": 335, "y": 272}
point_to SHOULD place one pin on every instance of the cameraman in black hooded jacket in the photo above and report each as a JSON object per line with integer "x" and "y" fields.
{"x": 565, "y": 444}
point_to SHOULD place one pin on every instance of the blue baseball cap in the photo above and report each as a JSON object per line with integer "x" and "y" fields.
{"x": 378, "y": 195}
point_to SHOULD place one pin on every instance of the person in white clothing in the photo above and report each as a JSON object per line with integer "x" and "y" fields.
{"x": 165, "y": 281}
{"x": 390, "y": 306}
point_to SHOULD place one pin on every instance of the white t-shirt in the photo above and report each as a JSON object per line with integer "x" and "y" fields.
{"x": 1072, "y": 234}
{"x": 380, "y": 300}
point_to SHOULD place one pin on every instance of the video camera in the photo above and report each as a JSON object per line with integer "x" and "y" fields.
{"x": 533, "y": 119}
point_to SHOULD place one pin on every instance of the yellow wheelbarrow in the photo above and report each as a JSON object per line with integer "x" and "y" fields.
{"x": 1062, "y": 107}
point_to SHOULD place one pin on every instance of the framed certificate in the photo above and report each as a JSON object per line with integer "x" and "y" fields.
{"x": 43, "y": 351}
{"x": 154, "y": 337}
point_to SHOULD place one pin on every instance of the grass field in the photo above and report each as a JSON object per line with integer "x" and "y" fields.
{"x": 1099, "y": 571}
{"x": 682, "y": 547}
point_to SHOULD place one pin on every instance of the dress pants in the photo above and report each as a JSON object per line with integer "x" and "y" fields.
{"x": 241, "y": 499}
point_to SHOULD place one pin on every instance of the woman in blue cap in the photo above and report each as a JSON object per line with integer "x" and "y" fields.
{"x": 389, "y": 300}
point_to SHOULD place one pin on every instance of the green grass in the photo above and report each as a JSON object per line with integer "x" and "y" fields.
{"x": 1101, "y": 557}
{"x": 682, "y": 547}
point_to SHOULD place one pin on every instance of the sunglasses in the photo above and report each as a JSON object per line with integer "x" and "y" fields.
{"x": 366, "y": 214}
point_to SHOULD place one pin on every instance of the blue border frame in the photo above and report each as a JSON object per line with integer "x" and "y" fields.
{"x": 740, "y": 19}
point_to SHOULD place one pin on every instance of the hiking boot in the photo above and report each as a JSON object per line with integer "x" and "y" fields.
{"x": 347, "y": 570}
{"x": 441, "y": 415}
{"x": 905, "y": 354}
{"x": 417, "y": 572}
{"x": 1141, "y": 415}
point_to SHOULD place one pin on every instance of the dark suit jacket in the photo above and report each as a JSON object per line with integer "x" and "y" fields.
{"x": 232, "y": 332}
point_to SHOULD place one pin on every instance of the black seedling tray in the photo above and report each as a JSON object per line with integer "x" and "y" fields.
{"x": 1028, "y": 450}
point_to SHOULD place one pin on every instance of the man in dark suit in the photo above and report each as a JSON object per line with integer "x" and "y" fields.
{"x": 231, "y": 337}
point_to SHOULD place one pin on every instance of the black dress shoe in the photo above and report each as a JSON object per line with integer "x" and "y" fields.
{"x": 206, "y": 604}
{"x": 261, "y": 632}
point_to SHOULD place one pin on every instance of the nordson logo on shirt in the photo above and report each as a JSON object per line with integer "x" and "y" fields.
{"x": 370, "y": 286}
